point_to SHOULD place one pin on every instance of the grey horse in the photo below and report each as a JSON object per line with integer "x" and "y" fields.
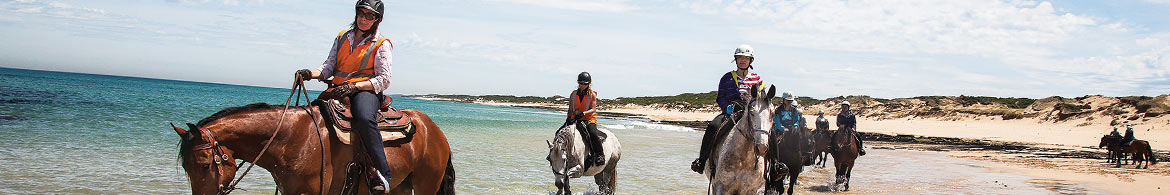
{"x": 737, "y": 164}
{"x": 566, "y": 156}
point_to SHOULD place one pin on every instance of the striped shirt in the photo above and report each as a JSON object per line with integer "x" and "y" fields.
{"x": 745, "y": 84}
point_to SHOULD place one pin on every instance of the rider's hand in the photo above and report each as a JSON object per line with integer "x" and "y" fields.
{"x": 344, "y": 90}
{"x": 579, "y": 115}
{"x": 304, "y": 74}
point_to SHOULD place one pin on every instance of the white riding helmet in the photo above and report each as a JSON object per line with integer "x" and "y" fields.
{"x": 788, "y": 96}
{"x": 745, "y": 50}
{"x": 846, "y": 102}
{"x": 820, "y": 112}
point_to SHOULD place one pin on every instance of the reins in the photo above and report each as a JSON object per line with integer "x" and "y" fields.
{"x": 297, "y": 89}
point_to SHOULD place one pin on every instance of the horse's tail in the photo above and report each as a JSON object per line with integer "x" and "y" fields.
{"x": 448, "y": 184}
{"x": 1153, "y": 159}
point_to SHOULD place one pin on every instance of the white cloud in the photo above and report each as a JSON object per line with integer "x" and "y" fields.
{"x": 582, "y": 5}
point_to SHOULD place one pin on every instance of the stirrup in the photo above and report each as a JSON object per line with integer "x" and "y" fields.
{"x": 384, "y": 188}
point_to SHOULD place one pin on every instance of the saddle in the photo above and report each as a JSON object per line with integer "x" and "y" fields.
{"x": 392, "y": 123}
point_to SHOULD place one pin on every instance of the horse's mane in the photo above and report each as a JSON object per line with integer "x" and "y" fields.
{"x": 233, "y": 110}
{"x": 185, "y": 144}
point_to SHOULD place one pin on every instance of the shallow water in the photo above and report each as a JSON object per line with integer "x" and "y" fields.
{"x": 64, "y": 133}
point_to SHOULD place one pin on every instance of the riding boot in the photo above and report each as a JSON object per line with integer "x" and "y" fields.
{"x": 705, "y": 147}
{"x": 597, "y": 148}
{"x": 860, "y": 148}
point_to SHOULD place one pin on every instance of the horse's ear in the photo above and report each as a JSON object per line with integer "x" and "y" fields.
{"x": 549, "y": 144}
{"x": 180, "y": 131}
{"x": 192, "y": 127}
{"x": 771, "y": 92}
{"x": 755, "y": 91}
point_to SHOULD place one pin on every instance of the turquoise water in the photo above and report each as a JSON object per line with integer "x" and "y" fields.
{"x": 67, "y": 133}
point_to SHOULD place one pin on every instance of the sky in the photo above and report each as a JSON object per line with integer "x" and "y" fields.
{"x": 815, "y": 48}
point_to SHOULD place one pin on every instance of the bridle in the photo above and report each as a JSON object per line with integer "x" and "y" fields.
{"x": 218, "y": 154}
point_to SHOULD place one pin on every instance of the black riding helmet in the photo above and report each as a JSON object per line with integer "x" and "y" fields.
{"x": 584, "y": 78}
{"x": 374, "y": 5}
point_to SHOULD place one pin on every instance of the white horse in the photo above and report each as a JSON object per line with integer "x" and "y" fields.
{"x": 737, "y": 164}
{"x": 566, "y": 155}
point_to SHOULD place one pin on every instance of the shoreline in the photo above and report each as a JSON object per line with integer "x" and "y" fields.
{"x": 691, "y": 119}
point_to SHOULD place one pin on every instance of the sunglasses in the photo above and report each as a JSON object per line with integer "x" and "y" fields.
{"x": 367, "y": 15}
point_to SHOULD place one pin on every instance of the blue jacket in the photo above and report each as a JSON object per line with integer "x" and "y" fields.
{"x": 787, "y": 118}
{"x": 822, "y": 123}
{"x": 728, "y": 91}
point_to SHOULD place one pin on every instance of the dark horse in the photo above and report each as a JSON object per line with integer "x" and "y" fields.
{"x": 1111, "y": 149}
{"x": 1141, "y": 150}
{"x": 821, "y": 147}
{"x": 845, "y": 155}
{"x": 794, "y": 150}
{"x": 305, "y": 157}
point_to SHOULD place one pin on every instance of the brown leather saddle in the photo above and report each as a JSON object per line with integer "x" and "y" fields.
{"x": 392, "y": 123}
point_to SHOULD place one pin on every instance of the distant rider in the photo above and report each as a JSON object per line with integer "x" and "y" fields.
{"x": 359, "y": 64}
{"x": 787, "y": 116}
{"x": 846, "y": 120}
{"x": 1128, "y": 139}
{"x": 583, "y": 108}
{"x": 822, "y": 122}
{"x": 733, "y": 86}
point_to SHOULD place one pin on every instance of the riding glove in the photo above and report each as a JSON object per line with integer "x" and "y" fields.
{"x": 344, "y": 90}
{"x": 304, "y": 74}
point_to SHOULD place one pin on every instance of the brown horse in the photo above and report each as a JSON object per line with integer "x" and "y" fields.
{"x": 1141, "y": 150}
{"x": 845, "y": 155}
{"x": 821, "y": 147}
{"x": 305, "y": 157}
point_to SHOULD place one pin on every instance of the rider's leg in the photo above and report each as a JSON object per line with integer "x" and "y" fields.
{"x": 708, "y": 138}
{"x": 364, "y": 107}
{"x": 860, "y": 148}
{"x": 586, "y": 134}
{"x": 598, "y": 154}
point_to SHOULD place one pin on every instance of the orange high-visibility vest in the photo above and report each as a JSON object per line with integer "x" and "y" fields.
{"x": 354, "y": 64}
{"x": 582, "y": 106}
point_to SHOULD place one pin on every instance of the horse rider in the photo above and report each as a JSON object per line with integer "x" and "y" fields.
{"x": 359, "y": 64}
{"x": 787, "y": 116}
{"x": 583, "y": 109}
{"x": 734, "y": 87}
{"x": 1128, "y": 139}
{"x": 846, "y": 120}
{"x": 1114, "y": 133}
{"x": 822, "y": 122}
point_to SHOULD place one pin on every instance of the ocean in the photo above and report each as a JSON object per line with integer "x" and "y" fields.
{"x": 70, "y": 133}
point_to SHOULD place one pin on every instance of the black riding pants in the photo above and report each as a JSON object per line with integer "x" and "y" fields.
{"x": 364, "y": 107}
{"x": 589, "y": 132}
{"x": 709, "y": 136}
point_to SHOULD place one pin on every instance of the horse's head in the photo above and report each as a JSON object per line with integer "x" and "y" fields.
{"x": 758, "y": 117}
{"x": 807, "y": 139}
{"x": 209, "y": 166}
{"x": 558, "y": 151}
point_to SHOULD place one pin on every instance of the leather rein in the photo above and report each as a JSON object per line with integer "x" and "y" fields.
{"x": 220, "y": 156}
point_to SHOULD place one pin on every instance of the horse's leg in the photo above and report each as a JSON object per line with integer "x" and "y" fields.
{"x": 792, "y": 180}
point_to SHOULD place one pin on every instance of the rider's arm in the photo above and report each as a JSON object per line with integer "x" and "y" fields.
{"x": 572, "y": 98}
{"x": 382, "y": 61}
{"x": 592, "y": 105}
{"x": 326, "y": 69}
{"x": 727, "y": 91}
